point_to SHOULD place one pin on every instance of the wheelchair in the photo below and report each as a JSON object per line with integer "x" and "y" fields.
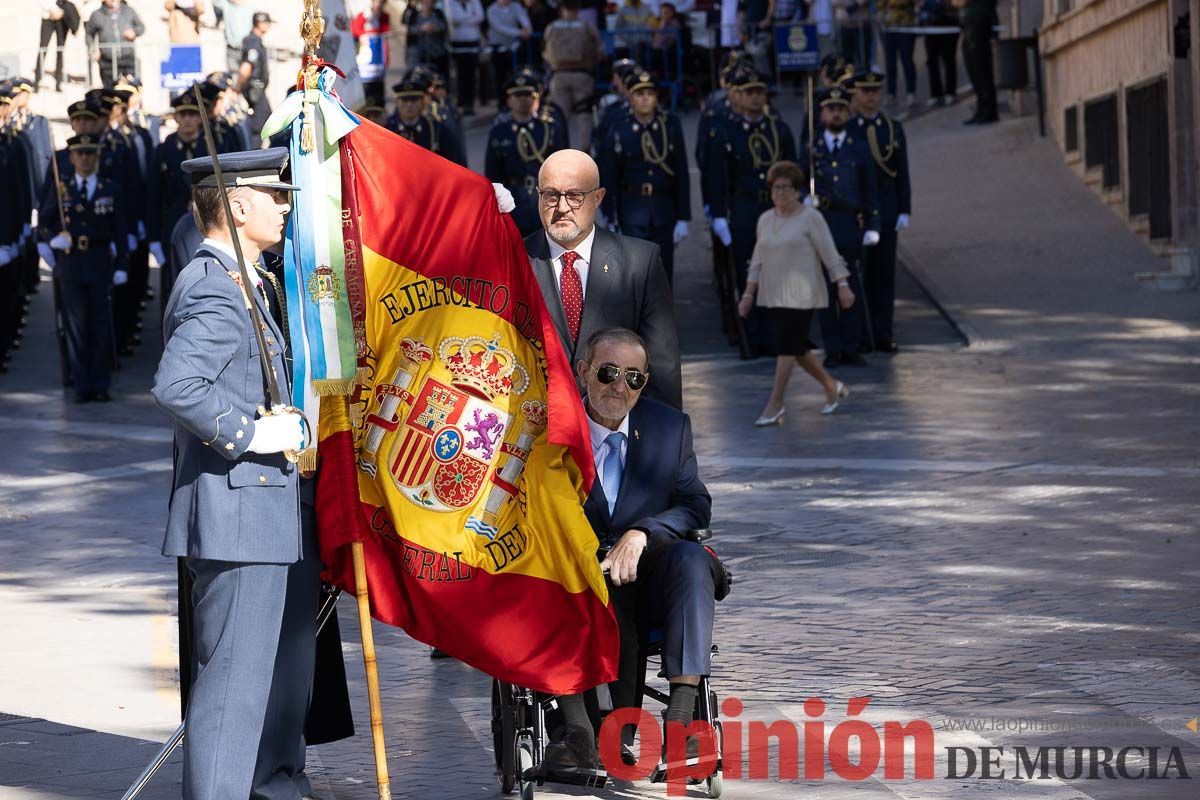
{"x": 520, "y": 731}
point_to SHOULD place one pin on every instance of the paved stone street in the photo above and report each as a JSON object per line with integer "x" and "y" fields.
{"x": 998, "y": 539}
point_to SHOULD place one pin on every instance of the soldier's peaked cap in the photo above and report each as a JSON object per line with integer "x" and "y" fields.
{"x": 833, "y": 96}
{"x": 521, "y": 82}
{"x": 866, "y": 79}
{"x": 639, "y": 80}
{"x": 84, "y": 143}
{"x": 257, "y": 169}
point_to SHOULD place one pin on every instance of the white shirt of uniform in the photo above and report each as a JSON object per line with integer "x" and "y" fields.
{"x": 584, "y": 250}
{"x": 86, "y": 186}
{"x": 213, "y": 244}
{"x": 831, "y": 138}
{"x": 600, "y": 450}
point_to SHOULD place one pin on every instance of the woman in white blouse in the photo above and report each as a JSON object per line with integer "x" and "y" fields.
{"x": 793, "y": 245}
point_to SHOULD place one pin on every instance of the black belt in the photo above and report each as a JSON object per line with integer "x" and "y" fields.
{"x": 838, "y": 204}
{"x": 83, "y": 243}
{"x": 762, "y": 195}
{"x": 647, "y": 189}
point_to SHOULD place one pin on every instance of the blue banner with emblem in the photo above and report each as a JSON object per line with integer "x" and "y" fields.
{"x": 796, "y": 47}
{"x": 183, "y": 67}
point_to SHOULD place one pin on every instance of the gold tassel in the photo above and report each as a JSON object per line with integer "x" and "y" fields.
{"x": 309, "y": 458}
{"x": 332, "y": 388}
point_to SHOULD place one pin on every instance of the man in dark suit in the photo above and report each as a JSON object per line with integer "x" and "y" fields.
{"x": 593, "y": 279}
{"x": 647, "y": 495}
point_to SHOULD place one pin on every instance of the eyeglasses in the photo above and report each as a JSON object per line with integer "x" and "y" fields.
{"x": 575, "y": 199}
{"x": 607, "y": 373}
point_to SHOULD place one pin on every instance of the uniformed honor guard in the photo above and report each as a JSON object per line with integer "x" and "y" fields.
{"x": 614, "y": 105}
{"x": 889, "y": 149}
{"x": 172, "y": 186}
{"x": 32, "y": 131}
{"x": 236, "y": 513}
{"x": 740, "y": 149}
{"x": 253, "y": 75}
{"x": 16, "y": 205}
{"x": 410, "y": 121}
{"x": 138, "y": 148}
{"x": 82, "y": 229}
{"x": 644, "y": 167}
{"x": 848, "y": 197}
{"x": 441, "y": 109}
{"x": 518, "y": 143}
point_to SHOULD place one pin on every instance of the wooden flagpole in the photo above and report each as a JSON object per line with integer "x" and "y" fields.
{"x": 369, "y": 662}
{"x": 312, "y": 28}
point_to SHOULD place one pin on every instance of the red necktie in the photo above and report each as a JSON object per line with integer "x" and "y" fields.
{"x": 572, "y": 293}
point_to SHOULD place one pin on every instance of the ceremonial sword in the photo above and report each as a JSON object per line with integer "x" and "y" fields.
{"x": 275, "y": 396}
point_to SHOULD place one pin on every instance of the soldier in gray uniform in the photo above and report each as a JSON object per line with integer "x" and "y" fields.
{"x": 235, "y": 510}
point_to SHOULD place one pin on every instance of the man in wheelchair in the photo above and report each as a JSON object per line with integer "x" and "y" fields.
{"x": 647, "y": 496}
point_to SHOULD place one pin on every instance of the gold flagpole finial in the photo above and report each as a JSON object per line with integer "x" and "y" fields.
{"x": 312, "y": 28}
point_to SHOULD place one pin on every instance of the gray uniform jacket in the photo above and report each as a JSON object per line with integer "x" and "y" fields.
{"x": 227, "y": 504}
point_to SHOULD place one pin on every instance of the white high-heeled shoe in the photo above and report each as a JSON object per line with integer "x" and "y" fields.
{"x": 841, "y": 393}
{"x": 775, "y": 419}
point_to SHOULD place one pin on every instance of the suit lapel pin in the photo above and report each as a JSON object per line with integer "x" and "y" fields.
{"x": 636, "y": 434}
{"x": 605, "y": 268}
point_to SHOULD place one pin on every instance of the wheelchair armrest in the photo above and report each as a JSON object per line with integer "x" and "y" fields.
{"x": 698, "y": 535}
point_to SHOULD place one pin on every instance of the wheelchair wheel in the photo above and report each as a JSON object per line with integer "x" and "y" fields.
{"x": 715, "y": 782}
{"x": 524, "y": 764}
{"x": 503, "y": 737}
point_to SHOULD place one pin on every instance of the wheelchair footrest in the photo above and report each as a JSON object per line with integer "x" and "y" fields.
{"x": 592, "y": 778}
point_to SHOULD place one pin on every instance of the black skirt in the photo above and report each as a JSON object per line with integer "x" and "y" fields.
{"x": 789, "y": 330}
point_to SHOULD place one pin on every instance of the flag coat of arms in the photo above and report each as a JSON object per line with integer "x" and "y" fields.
{"x": 463, "y": 458}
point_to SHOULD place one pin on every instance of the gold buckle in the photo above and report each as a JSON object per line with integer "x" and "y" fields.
{"x": 81, "y": 244}
{"x": 647, "y": 189}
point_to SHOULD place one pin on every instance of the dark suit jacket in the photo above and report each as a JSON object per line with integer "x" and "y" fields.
{"x": 626, "y": 287}
{"x": 661, "y": 491}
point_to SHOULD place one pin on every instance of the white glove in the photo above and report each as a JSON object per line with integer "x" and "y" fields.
{"x": 681, "y": 231}
{"x": 504, "y": 198}
{"x": 902, "y": 222}
{"x": 120, "y": 278}
{"x": 131, "y": 241}
{"x": 277, "y": 433}
{"x": 720, "y": 229}
{"x": 47, "y": 255}
{"x": 141, "y": 231}
{"x": 6, "y": 255}
{"x": 870, "y": 238}
{"x": 61, "y": 242}
{"x": 156, "y": 250}
{"x": 810, "y": 201}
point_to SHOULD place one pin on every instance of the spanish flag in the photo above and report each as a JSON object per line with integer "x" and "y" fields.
{"x": 463, "y": 459}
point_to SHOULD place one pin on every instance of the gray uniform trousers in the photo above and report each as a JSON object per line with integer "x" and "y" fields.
{"x": 255, "y": 649}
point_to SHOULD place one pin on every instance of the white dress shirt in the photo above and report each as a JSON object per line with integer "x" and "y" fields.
{"x": 584, "y": 250}
{"x": 600, "y": 450}
{"x": 213, "y": 244}
{"x": 86, "y": 186}
{"x": 833, "y": 140}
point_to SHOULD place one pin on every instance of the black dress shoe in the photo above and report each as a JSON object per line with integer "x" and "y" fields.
{"x": 571, "y": 747}
{"x": 887, "y": 346}
{"x": 833, "y": 360}
{"x": 986, "y": 119}
{"x": 854, "y": 360}
{"x": 435, "y": 652}
{"x": 102, "y": 397}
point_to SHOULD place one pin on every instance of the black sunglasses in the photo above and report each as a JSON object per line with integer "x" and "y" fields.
{"x": 634, "y": 379}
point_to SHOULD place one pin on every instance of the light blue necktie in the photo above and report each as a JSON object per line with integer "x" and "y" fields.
{"x": 611, "y": 468}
